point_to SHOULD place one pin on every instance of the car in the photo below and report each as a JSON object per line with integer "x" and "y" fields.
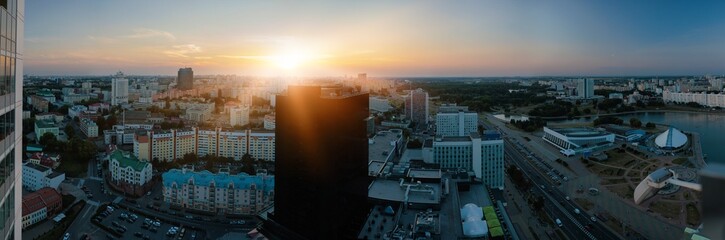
{"x": 138, "y": 234}
{"x": 189, "y": 217}
{"x": 121, "y": 229}
{"x": 157, "y": 224}
{"x": 558, "y": 223}
{"x": 145, "y": 226}
{"x": 593, "y": 219}
{"x": 153, "y": 229}
{"x": 145, "y": 237}
{"x": 567, "y": 198}
{"x": 576, "y": 210}
{"x": 116, "y": 224}
{"x": 148, "y": 194}
{"x": 156, "y": 198}
{"x": 66, "y": 236}
{"x": 110, "y": 237}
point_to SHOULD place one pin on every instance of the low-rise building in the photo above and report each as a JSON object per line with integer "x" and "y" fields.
{"x": 51, "y": 160}
{"x": 37, "y": 176}
{"x": 41, "y": 205}
{"x": 45, "y": 126}
{"x": 89, "y": 127}
{"x": 76, "y": 110}
{"x": 575, "y": 140}
{"x": 127, "y": 170}
{"x": 218, "y": 193}
{"x": 75, "y": 98}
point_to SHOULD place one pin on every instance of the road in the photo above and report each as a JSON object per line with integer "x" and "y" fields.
{"x": 573, "y": 224}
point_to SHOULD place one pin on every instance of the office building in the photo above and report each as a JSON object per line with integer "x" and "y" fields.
{"x": 480, "y": 155}
{"x": 585, "y": 88}
{"x": 185, "y": 79}
{"x": 119, "y": 89}
{"x": 416, "y": 107}
{"x": 41, "y": 205}
{"x": 239, "y": 116}
{"x": 37, "y": 176}
{"x": 89, "y": 127}
{"x": 456, "y": 123}
{"x": 217, "y": 192}
{"x": 322, "y": 181}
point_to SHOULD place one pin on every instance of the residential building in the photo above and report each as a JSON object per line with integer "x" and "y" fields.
{"x": 198, "y": 114}
{"x": 51, "y": 160}
{"x": 168, "y": 145}
{"x": 76, "y": 98}
{"x": 218, "y": 193}
{"x": 702, "y": 98}
{"x": 416, "y": 107}
{"x": 585, "y": 88}
{"x": 141, "y": 146}
{"x": 37, "y": 176}
{"x": 39, "y": 103}
{"x": 129, "y": 174}
{"x": 456, "y": 123}
{"x": 321, "y": 186}
{"x": 239, "y": 116}
{"x": 40, "y": 205}
{"x": 89, "y": 127}
{"x": 480, "y": 155}
{"x": 45, "y": 126}
{"x": 269, "y": 121}
{"x": 119, "y": 89}
{"x": 185, "y": 79}
{"x": 76, "y": 110}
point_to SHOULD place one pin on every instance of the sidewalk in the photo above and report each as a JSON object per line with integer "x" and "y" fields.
{"x": 521, "y": 215}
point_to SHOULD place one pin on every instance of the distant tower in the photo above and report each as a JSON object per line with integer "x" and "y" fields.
{"x": 119, "y": 89}
{"x": 362, "y": 79}
{"x": 185, "y": 79}
{"x": 416, "y": 107}
{"x": 585, "y": 88}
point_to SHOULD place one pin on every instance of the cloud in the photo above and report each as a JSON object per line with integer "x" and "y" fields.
{"x": 150, "y": 33}
{"x": 183, "y": 50}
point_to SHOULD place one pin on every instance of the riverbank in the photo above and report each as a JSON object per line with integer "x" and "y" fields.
{"x": 594, "y": 116}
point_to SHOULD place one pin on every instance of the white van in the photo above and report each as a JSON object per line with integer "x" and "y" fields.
{"x": 558, "y": 222}
{"x": 576, "y": 210}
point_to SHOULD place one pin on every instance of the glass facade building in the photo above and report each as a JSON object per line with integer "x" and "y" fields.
{"x": 11, "y": 72}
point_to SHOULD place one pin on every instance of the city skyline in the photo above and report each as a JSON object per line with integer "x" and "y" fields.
{"x": 392, "y": 39}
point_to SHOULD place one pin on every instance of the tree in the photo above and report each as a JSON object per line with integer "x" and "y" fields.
{"x": 69, "y": 131}
{"x": 635, "y": 123}
{"x": 48, "y": 139}
{"x": 650, "y": 125}
{"x": 248, "y": 164}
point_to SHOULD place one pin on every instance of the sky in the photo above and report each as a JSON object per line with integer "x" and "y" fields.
{"x": 381, "y": 38}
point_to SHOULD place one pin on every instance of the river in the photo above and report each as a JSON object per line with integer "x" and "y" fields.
{"x": 711, "y": 128}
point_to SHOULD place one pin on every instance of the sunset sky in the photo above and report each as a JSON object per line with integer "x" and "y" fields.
{"x": 382, "y": 38}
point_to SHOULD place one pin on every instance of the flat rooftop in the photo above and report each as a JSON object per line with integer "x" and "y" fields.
{"x": 391, "y": 190}
{"x": 382, "y": 144}
{"x": 580, "y": 132}
{"x": 425, "y": 173}
{"x": 375, "y": 167}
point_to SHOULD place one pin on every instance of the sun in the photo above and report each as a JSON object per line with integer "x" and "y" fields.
{"x": 289, "y": 61}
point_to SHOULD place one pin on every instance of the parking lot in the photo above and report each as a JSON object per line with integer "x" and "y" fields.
{"x": 134, "y": 226}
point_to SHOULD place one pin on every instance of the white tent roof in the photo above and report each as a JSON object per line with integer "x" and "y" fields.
{"x": 672, "y": 138}
{"x": 471, "y": 211}
{"x": 477, "y": 228}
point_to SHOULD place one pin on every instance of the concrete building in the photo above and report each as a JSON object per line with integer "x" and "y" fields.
{"x": 416, "y": 107}
{"x": 198, "y": 114}
{"x": 37, "y": 176}
{"x": 585, "y": 88}
{"x": 574, "y": 140}
{"x": 89, "y": 127}
{"x": 168, "y": 145}
{"x": 480, "y": 155}
{"x": 704, "y": 99}
{"x": 239, "y": 116}
{"x": 126, "y": 168}
{"x": 45, "y": 126}
{"x": 119, "y": 89}
{"x": 185, "y": 79}
{"x": 40, "y": 205}
{"x": 456, "y": 123}
{"x": 219, "y": 193}
{"x": 76, "y": 98}
{"x": 382, "y": 149}
{"x": 39, "y": 103}
{"x": 624, "y": 133}
{"x": 76, "y": 110}
{"x": 269, "y": 122}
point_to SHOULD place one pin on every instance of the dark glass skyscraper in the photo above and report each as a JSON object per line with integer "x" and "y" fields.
{"x": 11, "y": 88}
{"x": 185, "y": 79}
{"x": 321, "y": 175}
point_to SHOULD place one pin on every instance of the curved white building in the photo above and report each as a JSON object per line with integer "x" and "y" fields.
{"x": 671, "y": 139}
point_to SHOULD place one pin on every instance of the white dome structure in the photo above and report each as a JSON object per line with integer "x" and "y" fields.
{"x": 671, "y": 139}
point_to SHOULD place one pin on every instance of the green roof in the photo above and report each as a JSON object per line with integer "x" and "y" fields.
{"x": 488, "y": 209}
{"x": 496, "y": 232}
{"x": 490, "y": 216}
{"x": 493, "y": 223}
{"x": 126, "y": 159}
{"x": 45, "y": 124}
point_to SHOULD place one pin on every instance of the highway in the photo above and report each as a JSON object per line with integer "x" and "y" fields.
{"x": 575, "y": 226}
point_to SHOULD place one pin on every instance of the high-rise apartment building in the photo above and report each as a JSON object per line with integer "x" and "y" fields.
{"x": 119, "y": 89}
{"x": 321, "y": 176}
{"x": 11, "y": 88}
{"x": 416, "y": 107}
{"x": 185, "y": 79}
{"x": 585, "y": 88}
{"x": 456, "y": 123}
{"x": 239, "y": 116}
